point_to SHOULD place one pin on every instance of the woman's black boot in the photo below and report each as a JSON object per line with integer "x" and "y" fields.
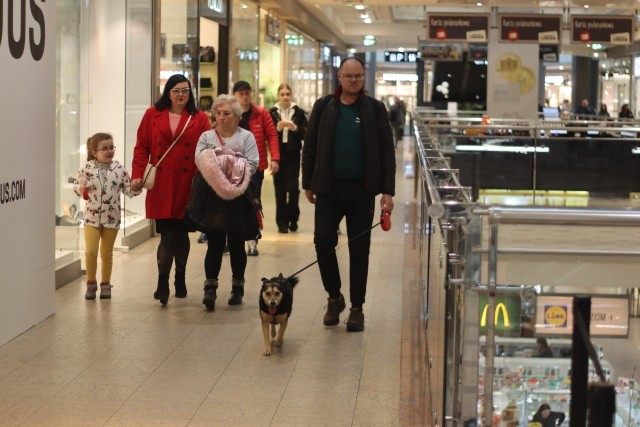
{"x": 237, "y": 291}
{"x": 162, "y": 292}
{"x": 180, "y": 285}
{"x": 210, "y": 287}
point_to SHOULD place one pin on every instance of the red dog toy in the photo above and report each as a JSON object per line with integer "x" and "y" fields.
{"x": 385, "y": 220}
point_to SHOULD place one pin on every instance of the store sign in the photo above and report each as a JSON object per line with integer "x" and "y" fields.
{"x": 609, "y": 316}
{"x": 27, "y": 164}
{"x": 440, "y": 51}
{"x": 549, "y": 53}
{"x": 461, "y": 27}
{"x": 530, "y": 29}
{"x": 397, "y": 56}
{"x": 506, "y": 317}
{"x": 216, "y": 5}
{"x": 615, "y": 30}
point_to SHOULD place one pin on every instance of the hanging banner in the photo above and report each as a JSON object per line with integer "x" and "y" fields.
{"x": 609, "y": 316}
{"x": 530, "y": 29}
{"x": 615, "y": 30}
{"x": 457, "y": 27}
{"x": 512, "y": 81}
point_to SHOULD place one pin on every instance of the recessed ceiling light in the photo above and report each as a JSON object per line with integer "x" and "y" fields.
{"x": 359, "y": 6}
{"x": 479, "y": 4}
{"x": 586, "y": 6}
{"x": 367, "y": 21}
{"x": 364, "y": 15}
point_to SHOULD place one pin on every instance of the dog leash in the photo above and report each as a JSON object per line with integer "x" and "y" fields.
{"x": 385, "y": 223}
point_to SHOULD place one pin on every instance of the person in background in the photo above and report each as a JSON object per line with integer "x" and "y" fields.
{"x": 167, "y": 202}
{"x": 100, "y": 182}
{"x": 625, "y": 112}
{"x": 547, "y": 417}
{"x": 348, "y": 159}
{"x": 542, "y": 348}
{"x": 223, "y": 156}
{"x": 585, "y": 110}
{"x": 290, "y": 122}
{"x": 257, "y": 120}
{"x": 603, "y": 112}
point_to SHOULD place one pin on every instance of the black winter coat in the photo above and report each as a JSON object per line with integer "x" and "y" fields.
{"x": 379, "y": 151}
{"x": 295, "y": 137}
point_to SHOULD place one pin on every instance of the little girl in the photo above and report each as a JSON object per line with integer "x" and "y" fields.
{"x": 100, "y": 182}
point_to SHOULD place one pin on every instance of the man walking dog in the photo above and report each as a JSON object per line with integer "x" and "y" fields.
{"x": 348, "y": 159}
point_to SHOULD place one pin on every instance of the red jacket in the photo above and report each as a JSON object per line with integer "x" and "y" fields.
{"x": 261, "y": 125}
{"x": 170, "y": 195}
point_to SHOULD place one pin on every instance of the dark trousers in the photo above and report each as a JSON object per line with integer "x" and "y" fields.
{"x": 215, "y": 248}
{"x": 351, "y": 201}
{"x": 286, "y": 184}
{"x": 257, "y": 179}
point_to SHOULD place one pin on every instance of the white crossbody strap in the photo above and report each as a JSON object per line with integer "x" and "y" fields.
{"x": 174, "y": 141}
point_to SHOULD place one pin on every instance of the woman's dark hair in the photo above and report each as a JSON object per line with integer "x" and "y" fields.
{"x": 543, "y": 407}
{"x": 165, "y": 102}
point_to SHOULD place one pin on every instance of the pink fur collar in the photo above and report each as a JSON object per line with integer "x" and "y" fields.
{"x": 227, "y": 174}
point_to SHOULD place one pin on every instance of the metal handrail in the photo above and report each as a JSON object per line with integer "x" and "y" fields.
{"x": 565, "y": 216}
{"x": 435, "y": 206}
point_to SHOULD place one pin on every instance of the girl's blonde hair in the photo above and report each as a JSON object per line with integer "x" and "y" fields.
{"x": 94, "y": 141}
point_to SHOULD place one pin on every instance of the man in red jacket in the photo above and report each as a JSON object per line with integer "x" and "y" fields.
{"x": 258, "y": 121}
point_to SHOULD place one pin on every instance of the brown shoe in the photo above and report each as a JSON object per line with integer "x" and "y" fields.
{"x": 355, "y": 321}
{"x": 335, "y": 306}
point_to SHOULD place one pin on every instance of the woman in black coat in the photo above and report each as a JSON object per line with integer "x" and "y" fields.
{"x": 547, "y": 417}
{"x": 290, "y": 122}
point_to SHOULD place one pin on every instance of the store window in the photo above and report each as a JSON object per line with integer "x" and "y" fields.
{"x": 270, "y": 59}
{"x": 244, "y": 44}
{"x": 96, "y": 93}
{"x": 615, "y": 83}
{"x": 302, "y": 67}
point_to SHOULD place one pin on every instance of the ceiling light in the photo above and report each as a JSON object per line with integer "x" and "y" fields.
{"x": 479, "y": 4}
{"x": 586, "y": 6}
{"x": 364, "y": 15}
{"x": 367, "y": 21}
{"x": 352, "y": 50}
{"x": 359, "y": 7}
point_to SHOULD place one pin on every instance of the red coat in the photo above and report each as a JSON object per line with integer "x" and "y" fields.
{"x": 261, "y": 125}
{"x": 170, "y": 194}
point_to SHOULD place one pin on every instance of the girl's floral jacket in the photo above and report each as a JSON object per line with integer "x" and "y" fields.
{"x": 103, "y": 206}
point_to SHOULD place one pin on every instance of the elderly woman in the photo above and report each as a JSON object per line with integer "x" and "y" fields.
{"x": 227, "y": 157}
{"x": 174, "y": 119}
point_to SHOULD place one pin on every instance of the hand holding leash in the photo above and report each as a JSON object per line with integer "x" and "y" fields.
{"x": 385, "y": 219}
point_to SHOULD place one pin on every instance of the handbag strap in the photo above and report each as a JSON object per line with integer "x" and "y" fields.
{"x": 174, "y": 141}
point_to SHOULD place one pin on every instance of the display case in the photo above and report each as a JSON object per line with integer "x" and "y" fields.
{"x": 522, "y": 384}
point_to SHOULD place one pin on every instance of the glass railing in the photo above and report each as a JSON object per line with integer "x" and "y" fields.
{"x": 499, "y": 282}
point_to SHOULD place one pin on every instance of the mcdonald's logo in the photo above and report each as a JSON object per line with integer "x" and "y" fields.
{"x": 499, "y": 308}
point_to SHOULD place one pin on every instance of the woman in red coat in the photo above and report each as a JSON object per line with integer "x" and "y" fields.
{"x": 167, "y": 202}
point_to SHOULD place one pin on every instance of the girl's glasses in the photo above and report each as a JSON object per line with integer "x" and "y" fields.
{"x": 109, "y": 148}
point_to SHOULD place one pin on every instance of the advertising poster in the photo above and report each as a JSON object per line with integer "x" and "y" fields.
{"x": 512, "y": 81}
{"x": 27, "y": 165}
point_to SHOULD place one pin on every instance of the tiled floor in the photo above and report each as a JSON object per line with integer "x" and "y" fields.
{"x": 129, "y": 361}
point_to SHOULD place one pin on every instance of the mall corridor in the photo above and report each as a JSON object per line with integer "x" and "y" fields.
{"x": 129, "y": 361}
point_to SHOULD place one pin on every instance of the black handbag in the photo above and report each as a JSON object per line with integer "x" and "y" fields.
{"x": 207, "y": 54}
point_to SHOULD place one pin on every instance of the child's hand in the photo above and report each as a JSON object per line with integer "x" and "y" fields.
{"x": 136, "y": 185}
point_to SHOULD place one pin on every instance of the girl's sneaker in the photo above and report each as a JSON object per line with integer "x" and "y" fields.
{"x": 105, "y": 290}
{"x": 92, "y": 287}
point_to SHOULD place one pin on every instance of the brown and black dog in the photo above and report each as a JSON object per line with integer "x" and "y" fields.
{"x": 276, "y": 302}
